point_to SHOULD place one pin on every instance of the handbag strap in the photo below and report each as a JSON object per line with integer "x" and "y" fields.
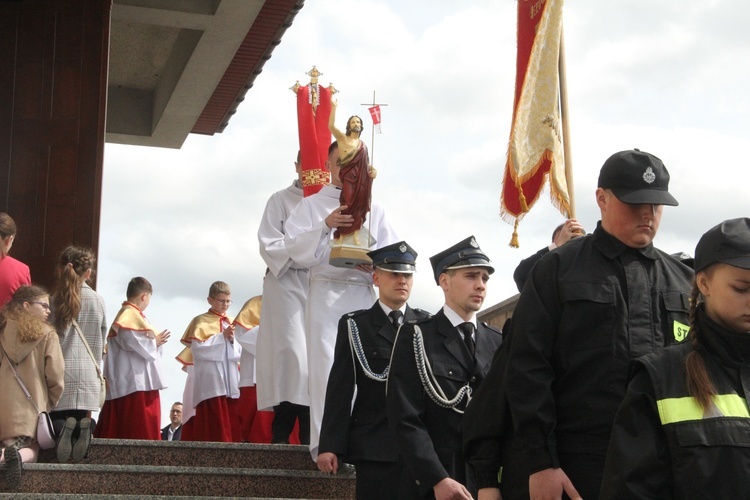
{"x": 23, "y": 386}
{"x": 91, "y": 354}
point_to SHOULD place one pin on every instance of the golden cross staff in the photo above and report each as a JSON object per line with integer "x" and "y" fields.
{"x": 372, "y": 142}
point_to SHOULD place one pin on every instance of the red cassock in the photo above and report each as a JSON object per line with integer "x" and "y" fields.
{"x": 135, "y": 416}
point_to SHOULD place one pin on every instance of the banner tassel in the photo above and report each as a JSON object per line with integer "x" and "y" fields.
{"x": 514, "y": 239}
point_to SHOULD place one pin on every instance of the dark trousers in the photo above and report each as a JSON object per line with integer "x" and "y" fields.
{"x": 59, "y": 418}
{"x": 377, "y": 480}
{"x": 285, "y": 414}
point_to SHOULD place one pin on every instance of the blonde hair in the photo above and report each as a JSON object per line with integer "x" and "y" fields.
{"x": 30, "y": 326}
{"x": 70, "y": 274}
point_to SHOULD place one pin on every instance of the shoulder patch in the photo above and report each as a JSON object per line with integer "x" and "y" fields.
{"x": 422, "y": 317}
{"x": 356, "y": 313}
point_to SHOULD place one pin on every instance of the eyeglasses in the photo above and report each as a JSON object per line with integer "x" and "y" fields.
{"x": 223, "y": 302}
{"x": 43, "y": 304}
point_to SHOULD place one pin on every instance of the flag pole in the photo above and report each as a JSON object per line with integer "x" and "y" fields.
{"x": 372, "y": 141}
{"x": 372, "y": 146}
{"x": 566, "y": 125}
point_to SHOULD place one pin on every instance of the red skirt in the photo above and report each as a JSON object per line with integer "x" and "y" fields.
{"x": 135, "y": 416}
{"x": 255, "y": 426}
{"x": 212, "y": 422}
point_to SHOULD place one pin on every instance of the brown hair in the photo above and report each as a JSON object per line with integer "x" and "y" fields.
{"x": 138, "y": 286}
{"x": 70, "y": 274}
{"x": 30, "y": 326}
{"x": 699, "y": 384}
{"x": 349, "y": 128}
{"x": 7, "y": 228}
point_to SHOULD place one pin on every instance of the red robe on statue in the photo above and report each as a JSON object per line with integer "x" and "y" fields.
{"x": 356, "y": 186}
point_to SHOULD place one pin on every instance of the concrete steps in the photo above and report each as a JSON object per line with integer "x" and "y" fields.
{"x": 123, "y": 468}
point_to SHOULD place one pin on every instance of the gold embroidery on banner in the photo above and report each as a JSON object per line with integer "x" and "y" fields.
{"x": 315, "y": 177}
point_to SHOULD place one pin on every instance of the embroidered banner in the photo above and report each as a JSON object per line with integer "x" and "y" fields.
{"x": 535, "y": 148}
{"x": 313, "y": 109}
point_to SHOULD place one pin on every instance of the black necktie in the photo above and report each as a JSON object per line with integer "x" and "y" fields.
{"x": 395, "y": 317}
{"x": 467, "y": 329}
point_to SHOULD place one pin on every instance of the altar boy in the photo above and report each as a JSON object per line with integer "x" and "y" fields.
{"x": 133, "y": 369}
{"x": 211, "y": 358}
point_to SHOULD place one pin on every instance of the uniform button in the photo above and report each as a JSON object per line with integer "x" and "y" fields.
{"x": 374, "y": 353}
{"x": 450, "y": 372}
{"x": 417, "y": 481}
{"x": 473, "y": 379}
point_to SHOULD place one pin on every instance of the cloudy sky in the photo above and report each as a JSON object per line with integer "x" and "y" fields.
{"x": 668, "y": 77}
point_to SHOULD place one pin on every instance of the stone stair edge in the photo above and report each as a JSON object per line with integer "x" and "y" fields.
{"x": 178, "y": 470}
{"x": 198, "y": 445}
{"x": 82, "y": 496}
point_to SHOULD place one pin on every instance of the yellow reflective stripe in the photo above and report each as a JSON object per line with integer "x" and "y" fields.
{"x": 675, "y": 410}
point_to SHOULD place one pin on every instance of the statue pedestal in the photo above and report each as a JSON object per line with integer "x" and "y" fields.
{"x": 350, "y": 251}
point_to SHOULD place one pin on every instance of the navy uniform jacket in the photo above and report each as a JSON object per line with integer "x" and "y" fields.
{"x": 361, "y": 433}
{"x": 428, "y": 435}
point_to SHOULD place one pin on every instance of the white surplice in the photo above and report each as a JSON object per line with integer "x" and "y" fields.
{"x": 132, "y": 363}
{"x": 334, "y": 291}
{"x": 248, "y": 339}
{"x": 281, "y": 360}
{"x": 214, "y": 373}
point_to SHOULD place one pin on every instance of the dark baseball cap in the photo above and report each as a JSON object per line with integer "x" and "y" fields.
{"x": 636, "y": 177}
{"x": 729, "y": 242}
{"x": 396, "y": 258}
{"x": 465, "y": 253}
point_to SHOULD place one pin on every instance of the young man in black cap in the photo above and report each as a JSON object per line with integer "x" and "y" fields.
{"x": 587, "y": 310}
{"x": 362, "y": 355}
{"x": 427, "y": 391}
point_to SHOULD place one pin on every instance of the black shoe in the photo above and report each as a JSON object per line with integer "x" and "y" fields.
{"x": 65, "y": 441}
{"x": 81, "y": 447}
{"x": 12, "y": 468}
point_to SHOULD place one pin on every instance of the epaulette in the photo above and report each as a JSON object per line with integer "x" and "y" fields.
{"x": 422, "y": 317}
{"x": 421, "y": 313}
{"x": 356, "y": 313}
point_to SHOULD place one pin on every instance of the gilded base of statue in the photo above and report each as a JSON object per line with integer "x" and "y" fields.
{"x": 349, "y": 251}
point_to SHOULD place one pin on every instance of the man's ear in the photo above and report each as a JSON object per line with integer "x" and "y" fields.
{"x": 602, "y": 197}
{"x": 444, "y": 281}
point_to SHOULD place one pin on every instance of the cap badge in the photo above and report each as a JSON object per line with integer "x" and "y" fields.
{"x": 649, "y": 176}
{"x": 474, "y": 243}
{"x": 402, "y": 248}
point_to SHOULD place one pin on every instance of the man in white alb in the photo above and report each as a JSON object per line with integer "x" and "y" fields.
{"x": 281, "y": 352}
{"x": 334, "y": 291}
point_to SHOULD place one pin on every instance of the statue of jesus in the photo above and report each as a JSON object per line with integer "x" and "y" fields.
{"x": 356, "y": 174}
